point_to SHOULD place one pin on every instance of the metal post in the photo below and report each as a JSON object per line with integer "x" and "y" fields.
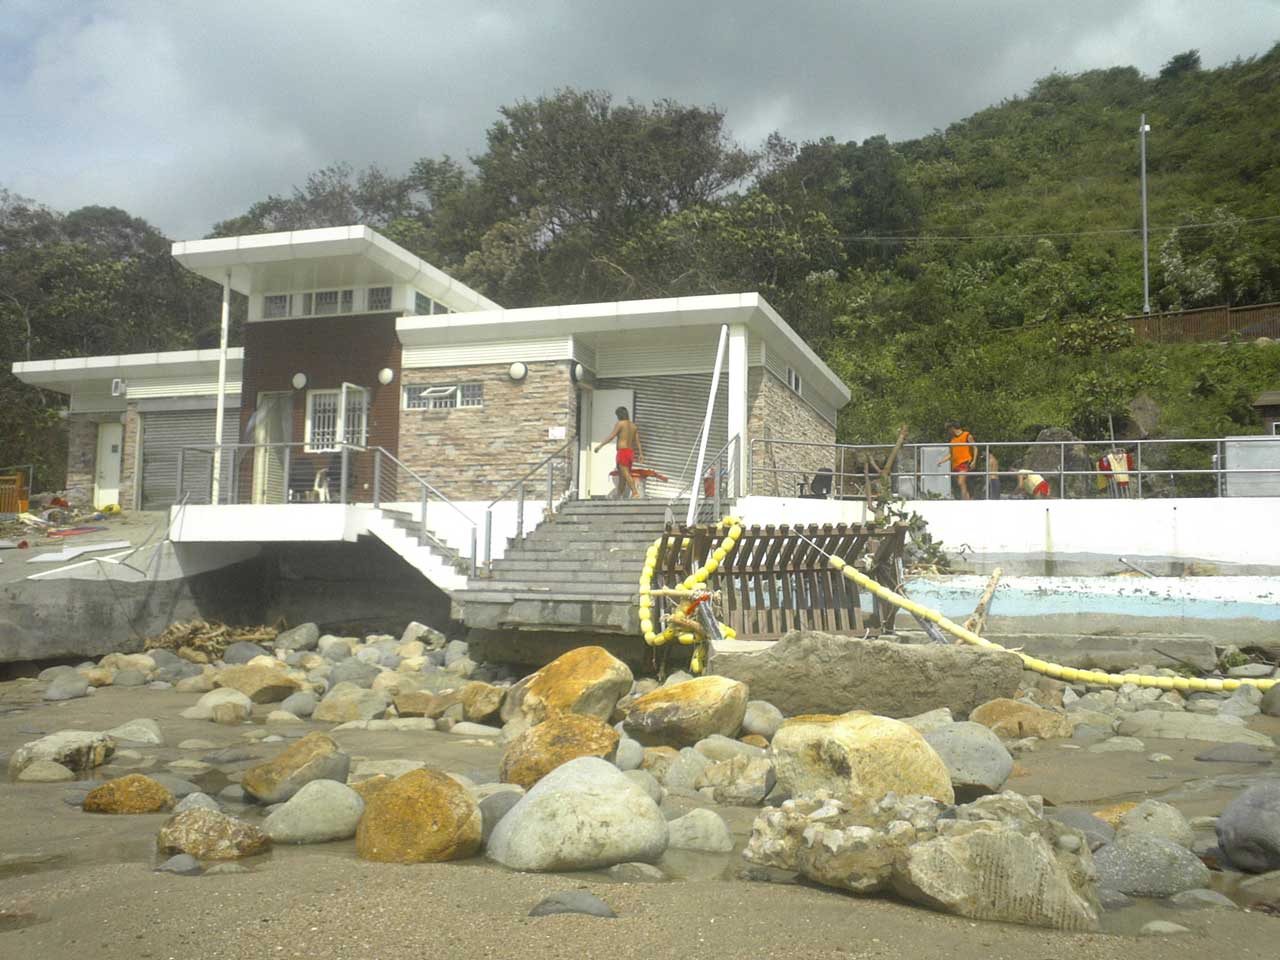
{"x": 346, "y": 466}
{"x": 422, "y": 520}
{"x": 181, "y": 451}
{"x": 221, "y": 401}
{"x": 551, "y": 477}
{"x": 473, "y": 550}
{"x": 288, "y": 463}
{"x": 1062, "y": 469}
{"x": 715, "y": 490}
{"x": 1143, "y": 127}
{"x": 488, "y": 537}
{"x": 1219, "y": 457}
{"x": 377, "y": 478}
{"x": 706, "y": 426}
{"x": 1139, "y": 469}
{"x": 520, "y": 510}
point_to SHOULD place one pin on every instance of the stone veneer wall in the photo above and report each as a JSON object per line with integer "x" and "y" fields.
{"x": 473, "y": 453}
{"x": 129, "y": 459}
{"x": 82, "y": 455}
{"x": 775, "y": 412}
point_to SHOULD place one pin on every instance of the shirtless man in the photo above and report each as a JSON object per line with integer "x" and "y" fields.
{"x": 629, "y": 449}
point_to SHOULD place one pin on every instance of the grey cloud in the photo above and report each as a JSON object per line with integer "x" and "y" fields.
{"x": 187, "y": 112}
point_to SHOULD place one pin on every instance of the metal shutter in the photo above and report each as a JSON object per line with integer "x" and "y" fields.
{"x": 669, "y": 412}
{"x": 163, "y": 433}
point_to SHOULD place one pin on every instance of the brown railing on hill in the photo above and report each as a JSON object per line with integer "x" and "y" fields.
{"x": 1209, "y": 324}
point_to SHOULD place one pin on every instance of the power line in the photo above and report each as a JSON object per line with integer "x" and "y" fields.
{"x": 1116, "y": 231}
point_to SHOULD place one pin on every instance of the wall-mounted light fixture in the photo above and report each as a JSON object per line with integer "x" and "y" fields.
{"x": 299, "y": 381}
{"x": 386, "y": 375}
{"x": 518, "y": 371}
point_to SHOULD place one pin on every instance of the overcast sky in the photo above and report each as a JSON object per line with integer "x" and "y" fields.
{"x": 186, "y": 112}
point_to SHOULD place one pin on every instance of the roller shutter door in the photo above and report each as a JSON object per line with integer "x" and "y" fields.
{"x": 669, "y": 412}
{"x": 163, "y": 433}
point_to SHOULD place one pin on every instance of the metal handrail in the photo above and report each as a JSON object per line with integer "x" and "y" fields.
{"x": 423, "y": 532}
{"x": 545, "y": 460}
{"x": 716, "y": 460}
{"x": 519, "y": 486}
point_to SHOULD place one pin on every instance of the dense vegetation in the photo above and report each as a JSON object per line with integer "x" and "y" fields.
{"x": 980, "y": 272}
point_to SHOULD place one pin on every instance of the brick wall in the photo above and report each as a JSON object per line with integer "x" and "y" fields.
{"x": 82, "y": 453}
{"x": 129, "y": 459}
{"x": 775, "y": 412}
{"x": 474, "y": 453}
{"x": 329, "y": 350}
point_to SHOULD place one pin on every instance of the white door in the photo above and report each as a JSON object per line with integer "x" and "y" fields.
{"x": 272, "y": 426}
{"x": 106, "y": 481}
{"x": 603, "y": 418}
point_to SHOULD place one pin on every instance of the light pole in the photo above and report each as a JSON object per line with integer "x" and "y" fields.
{"x": 1143, "y": 129}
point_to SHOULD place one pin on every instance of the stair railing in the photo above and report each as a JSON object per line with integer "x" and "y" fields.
{"x": 723, "y": 466}
{"x": 550, "y": 462}
{"x": 425, "y": 493}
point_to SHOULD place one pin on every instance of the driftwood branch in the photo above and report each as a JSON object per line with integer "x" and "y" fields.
{"x": 977, "y": 621}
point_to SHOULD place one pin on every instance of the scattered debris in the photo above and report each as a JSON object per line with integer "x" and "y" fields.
{"x": 211, "y": 639}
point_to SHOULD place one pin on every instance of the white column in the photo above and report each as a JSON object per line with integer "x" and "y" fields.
{"x": 737, "y": 412}
{"x": 221, "y": 401}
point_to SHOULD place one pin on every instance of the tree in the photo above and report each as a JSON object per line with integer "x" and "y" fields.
{"x": 1180, "y": 65}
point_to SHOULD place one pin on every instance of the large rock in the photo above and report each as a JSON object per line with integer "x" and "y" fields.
{"x": 315, "y": 757}
{"x": 322, "y": 810}
{"x": 1142, "y": 865}
{"x": 305, "y": 636}
{"x": 67, "y": 686}
{"x": 976, "y": 760}
{"x": 586, "y": 680}
{"x": 354, "y": 671}
{"x": 481, "y": 701}
{"x": 739, "y": 781}
{"x": 206, "y": 706}
{"x": 261, "y": 684}
{"x": 347, "y": 702}
{"x": 582, "y": 815}
{"x": 557, "y": 740}
{"x": 762, "y": 719}
{"x": 1013, "y": 720}
{"x": 207, "y": 835}
{"x": 242, "y": 652}
{"x": 682, "y": 714}
{"x": 807, "y": 672}
{"x": 77, "y": 750}
{"x": 1270, "y": 704}
{"x": 702, "y": 830}
{"x": 857, "y": 757}
{"x": 138, "y": 731}
{"x": 995, "y": 859}
{"x": 422, "y": 817}
{"x": 1249, "y": 828}
{"x": 1162, "y": 724}
{"x": 129, "y": 794}
{"x": 1157, "y": 819}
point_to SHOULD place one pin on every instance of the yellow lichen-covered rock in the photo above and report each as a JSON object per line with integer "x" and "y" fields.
{"x": 421, "y": 817}
{"x": 209, "y": 835}
{"x": 586, "y": 680}
{"x": 857, "y": 757}
{"x": 1013, "y": 720}
{"x": 129, "y": 794}
{"x": 258, "y": 682}
{"x": 419, "y": 703}
{"x": 684, "y": 713}
{"x": 315, "y": 757}
{"x": 558, "y": 739}
{"x": 480, "y": 701}
{"x": 1115, "y": 813}
{"x": 370, "y": 785}
{"x": 657, "y": 760}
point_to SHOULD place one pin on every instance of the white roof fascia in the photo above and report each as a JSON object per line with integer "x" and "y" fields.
{"x": 75, "y": 371}
{"x": 213, "y": 258}
{"x": 749, "y": 309}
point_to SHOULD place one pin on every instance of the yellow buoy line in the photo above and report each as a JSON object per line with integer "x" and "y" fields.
{"x": 697, "y": 580}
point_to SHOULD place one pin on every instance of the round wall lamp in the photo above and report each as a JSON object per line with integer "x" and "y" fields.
{"x": 386, "y": 375}
{"x": 299, "y": 381}
{"x": 518, "y": 371}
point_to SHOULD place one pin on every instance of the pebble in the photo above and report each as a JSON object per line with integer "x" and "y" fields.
{"x": 1159, "y": 757}
{"x": 1201, "y": 897}
{"x": 636, "y": 873}
{"x": 183, "y": 864}
{"x": 1118, "y": 745}
{"x": 193, "y": 801}
{"x": 1160, "y": 928}
{"x": 195, "y": 744}
{"x": 573, "y": 901}
{"x": 225, "y": 869}
{"x": 468, "y": 729}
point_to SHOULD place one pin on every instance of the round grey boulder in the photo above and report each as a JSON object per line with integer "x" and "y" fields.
{"x": 699, "y": 829}
{"x": 302, "y": 637}
{"x": 1096, "y": 832}
{"x": 242, "y": 651}
{"x": 762, "y": 718}
{"x": 1271, "y": 702}
{"x": 197, "y": 801}
{"x": 976, "y": 760}
{"x": 629, "y": 755}
{"x": 66, "y": 686}
{"x": 454, "y": 651}
{"x": 129, "y": 678}
{"x": 184, "y": 865}
{"x": 1158, "y": 819}
{"x": 1249, "y": 828}
{"x": 1141, "y": 865}
{"x": 322, "y": 810}
{"x": 300, "y": 704}
{"x": 354, "y": 671}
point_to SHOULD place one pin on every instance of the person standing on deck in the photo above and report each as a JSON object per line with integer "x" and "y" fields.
{"x": 962, "y": 455}
{"x": 629, "y": 450}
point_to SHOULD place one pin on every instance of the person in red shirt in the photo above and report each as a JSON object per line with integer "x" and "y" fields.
{"x": 962, "y": 455}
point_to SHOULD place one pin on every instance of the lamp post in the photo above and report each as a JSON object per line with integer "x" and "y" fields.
{"x": 1143, "y": 129}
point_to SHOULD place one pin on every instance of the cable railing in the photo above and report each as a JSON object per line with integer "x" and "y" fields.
{"x": 721, "y": 481}
{"x": 560, "y": 461}
{"x": 1033, "y": 469}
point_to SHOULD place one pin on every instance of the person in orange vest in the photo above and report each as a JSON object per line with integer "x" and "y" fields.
{"x": 962, "y": 455}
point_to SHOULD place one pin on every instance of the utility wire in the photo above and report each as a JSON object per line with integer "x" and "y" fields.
{"x": 1114, "y": 231}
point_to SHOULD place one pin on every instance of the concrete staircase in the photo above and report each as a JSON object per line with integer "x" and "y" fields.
{"x": 432, "y": 557}
{"x": 578, "y": 571}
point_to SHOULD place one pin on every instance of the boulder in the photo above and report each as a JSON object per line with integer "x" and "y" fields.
{"x": 481, "y": 701}
{"x": 315, "y": 757}
{"x": 557, "y": 740}
{"x": 739, "y": 781}
{"x": 348, "y": 701}
{"x": 1014, "y": 720}
{"x": 129, "y": 794}
{"x": 976, "y": 760}
{"x": 261, "y": 684}
{"x": 1249, "y": 828}
{"x": 138, "y": 731}
{"x": 421, "y": 703}
{"x": 355, "y": 672}
{"x": 424, "y": 816}
{"x": 682, "y": 714}
{"x": 808, "y": 672}
{"x": 1158, "y": 819}
{"x": 629, "y": 755}
{"x": 1142, "y": 865}
{"x": 496, "y": 805}
{"x": 857, "y": 757}
{"x": 208, "y": 835}
{"x": 305, "y": 636}
{"x": 242, "y": 652}
{"x": 1270, "y": 704}
{"x": 716, "y": 748}
{"x": 702, "y": 830}
{"x": 197, "y": 801}
{"x": 321, "y": 810}
{"x": 67, "y": 686}
{"x": 584, "y": 814}
{"x": 762, "y": 719}
{"x": 1096, "y": 832}
{"x": 430, "y": 637}
{"x": 586, "y": 680}
{"x": 204, "y": 707}
{"x": 1189, "y": 726}
{"x": 77, "y": 750}
{"x": 45, "y": 771}
{"x": 684, "y": 771}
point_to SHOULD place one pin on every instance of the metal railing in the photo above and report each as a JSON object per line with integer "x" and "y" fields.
{"x": 561, "y": 458}
{"x": 721, "y": 480}
{"x": 1068, "y": 469}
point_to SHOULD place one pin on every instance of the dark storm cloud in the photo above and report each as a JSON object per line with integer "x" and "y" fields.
{"x": 187, "y": 112}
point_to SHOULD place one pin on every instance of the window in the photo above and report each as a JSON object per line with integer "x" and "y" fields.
{"x": 444, "y": 398}
{"x": 325, "y": 415}
{"x": 793, "y": 381}
{"x": 326, "y": 302}
{"x": 379, "y": 298}
{"x": 423, "y": 305}
{"x": 307, "y": 299}
{"x": 275, "y": 305}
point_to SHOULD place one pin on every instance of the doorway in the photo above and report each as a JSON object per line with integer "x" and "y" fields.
{"x": 600, "y": 421}
{"x": 272, "y": 426}
{"x": 106, "y": 478}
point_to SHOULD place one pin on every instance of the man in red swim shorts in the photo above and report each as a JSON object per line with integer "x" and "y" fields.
{"x": 629, "y": 450}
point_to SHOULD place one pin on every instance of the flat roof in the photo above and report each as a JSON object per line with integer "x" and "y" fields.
{"x": 320, "y": 259}
{"x": 748, "y": 309}
{"x": 72, "y": 373}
